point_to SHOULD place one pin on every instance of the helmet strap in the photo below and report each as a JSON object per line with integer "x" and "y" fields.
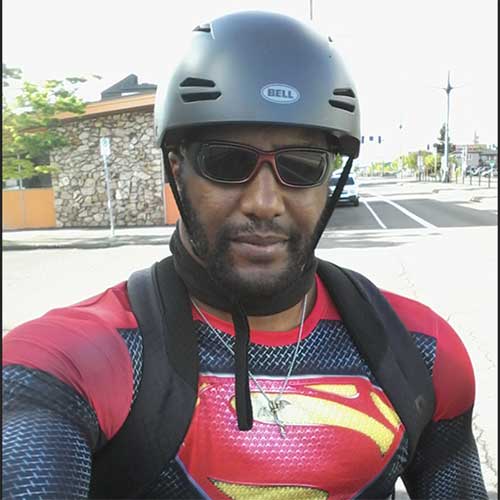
{"x": 332, "y": 202}
{"x": 177, "y": 198}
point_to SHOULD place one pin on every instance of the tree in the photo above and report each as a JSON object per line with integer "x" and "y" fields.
{"x": 440, "y": 144}
{"x": 29, "y": 130}
{"x": 9, "y": 74}
{"x": 410, "y": 160}
{"x": 338, "y": 162}
{"x": 429, "y": 164}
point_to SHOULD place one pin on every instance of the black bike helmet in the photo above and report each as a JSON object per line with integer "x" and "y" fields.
{"x": 259, "y": 67}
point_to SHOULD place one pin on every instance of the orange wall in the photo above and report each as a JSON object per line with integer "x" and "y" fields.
{"x": 171, "y": 210}
{"x": 28, "y": 208}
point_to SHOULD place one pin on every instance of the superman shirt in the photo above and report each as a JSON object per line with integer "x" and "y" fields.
{"x": 73, "y": 375}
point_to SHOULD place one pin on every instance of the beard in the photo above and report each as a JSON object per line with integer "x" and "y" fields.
{"x": 216, "y": 257}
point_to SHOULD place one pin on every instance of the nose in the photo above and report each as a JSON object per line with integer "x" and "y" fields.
{"x": 262, "y": 196}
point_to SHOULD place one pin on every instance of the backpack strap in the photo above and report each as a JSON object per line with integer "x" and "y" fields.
{"x": 162, "y": 411}
{"x": 387, "y": 346}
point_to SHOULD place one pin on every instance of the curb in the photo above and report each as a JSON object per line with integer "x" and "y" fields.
{"x": 85, "y": 244}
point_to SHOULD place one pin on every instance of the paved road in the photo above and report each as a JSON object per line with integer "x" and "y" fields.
{"x": 403, "y": 205}
{"x": 451, "y": 266}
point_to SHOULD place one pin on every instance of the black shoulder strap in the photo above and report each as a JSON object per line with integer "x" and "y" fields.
{"x": 161, "y": 414}
{"x": 386, "y": 345}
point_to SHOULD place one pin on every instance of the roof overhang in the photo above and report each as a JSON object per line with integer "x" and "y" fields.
{"x": 140, "y": 102}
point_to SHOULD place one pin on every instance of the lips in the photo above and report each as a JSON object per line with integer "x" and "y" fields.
{"x": 260, "y": 240}
{"x": 257, "y": 247}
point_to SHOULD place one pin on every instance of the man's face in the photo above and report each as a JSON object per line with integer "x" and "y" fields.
{"x": 254, "y": 238}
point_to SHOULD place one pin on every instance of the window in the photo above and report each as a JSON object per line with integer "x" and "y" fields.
{"x": 37, "y": 181}
{"x": 335, "y": 180}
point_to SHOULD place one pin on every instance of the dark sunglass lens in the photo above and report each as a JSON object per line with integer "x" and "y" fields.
{"x": 301, "y": 168}
{"x": 226, "y": 163}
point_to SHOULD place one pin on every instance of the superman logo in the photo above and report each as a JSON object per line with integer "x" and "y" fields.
{"x": 334, "y": 426}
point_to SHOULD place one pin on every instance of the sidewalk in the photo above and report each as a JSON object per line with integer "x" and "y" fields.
{"x": 43, "y": 239}
{"x": 420, "y": 187}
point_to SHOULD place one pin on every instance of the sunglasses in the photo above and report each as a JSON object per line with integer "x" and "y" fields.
{"x": 230, "y": 163}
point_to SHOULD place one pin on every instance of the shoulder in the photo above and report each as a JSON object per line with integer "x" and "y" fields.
{"x": 440, "y": 346}
{"x": 452, "y": 372}
{"x": 82, "y": 346}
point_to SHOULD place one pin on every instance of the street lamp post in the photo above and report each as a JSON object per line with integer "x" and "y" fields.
{"x": 311, "y": 9}
{"x": 435, "y": 162}
{"x": 446, "y": 176}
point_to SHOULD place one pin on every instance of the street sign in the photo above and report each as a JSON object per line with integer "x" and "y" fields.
{"x": 105, "y": 146}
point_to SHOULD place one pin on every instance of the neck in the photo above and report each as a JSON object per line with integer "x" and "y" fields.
{"x": 202, "y": 286}
{"x": 279, "y": 322}
{"x": 186, "y": 241}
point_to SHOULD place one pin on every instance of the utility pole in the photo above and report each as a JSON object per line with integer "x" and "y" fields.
{"x": 311, "y": 9}
{"x": 435, "y": 162}
{"x": 447, "y": 174}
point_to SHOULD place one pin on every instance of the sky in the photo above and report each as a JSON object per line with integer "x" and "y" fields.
{"x": 398, "y": 52}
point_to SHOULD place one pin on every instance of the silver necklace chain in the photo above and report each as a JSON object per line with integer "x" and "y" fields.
{"x": 276, "y": 404}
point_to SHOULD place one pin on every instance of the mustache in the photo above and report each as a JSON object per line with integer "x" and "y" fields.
{"x": 231, "y": 231}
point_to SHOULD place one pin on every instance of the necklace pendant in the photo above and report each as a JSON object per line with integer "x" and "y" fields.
{"x": 282, "y": 430}
{"x": 274, "y": 407}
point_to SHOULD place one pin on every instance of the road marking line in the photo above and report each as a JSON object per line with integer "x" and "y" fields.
{"x": 377, "y": 218}
{"x": 409, "y": 214}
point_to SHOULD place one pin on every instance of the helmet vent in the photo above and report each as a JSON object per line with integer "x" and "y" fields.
{"x": 342, "y": 105}
{"x": 344, "y": 92}
{"x": 205, "y": 28}
{"x": 200, "y": 96}
{"x": 197, "y": 82}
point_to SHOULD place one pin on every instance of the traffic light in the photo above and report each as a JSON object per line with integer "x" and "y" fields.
{"x": 439, "y": 147}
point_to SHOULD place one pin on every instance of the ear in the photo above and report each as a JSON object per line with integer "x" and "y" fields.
{"x": 175, "y": 163}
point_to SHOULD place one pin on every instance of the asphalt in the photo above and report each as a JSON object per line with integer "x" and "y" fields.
{"x": 87, "y": 238}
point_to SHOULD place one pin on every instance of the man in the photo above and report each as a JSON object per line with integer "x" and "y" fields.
{"x": 233, "y": 374}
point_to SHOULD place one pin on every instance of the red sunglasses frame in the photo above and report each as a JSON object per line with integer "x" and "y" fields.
{"x": 263, "y": 157}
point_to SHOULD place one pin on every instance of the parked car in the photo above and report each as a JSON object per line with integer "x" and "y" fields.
{"x": 489, "y": 172}
{"x": 475, "y": 171}
{"x": 350, "y": 193}
{"x": 480, "y": 171}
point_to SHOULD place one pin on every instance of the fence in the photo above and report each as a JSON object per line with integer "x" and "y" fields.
{"x": 28, "y": 208}
{"x": 488, "y": 181}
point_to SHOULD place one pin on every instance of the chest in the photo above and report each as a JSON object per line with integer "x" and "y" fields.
{"x": 338, "y": 432}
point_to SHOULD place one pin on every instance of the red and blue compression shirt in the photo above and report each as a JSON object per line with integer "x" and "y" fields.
{"x": 71, "y": 377}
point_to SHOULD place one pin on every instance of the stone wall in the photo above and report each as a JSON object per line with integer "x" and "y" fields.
{"x": 135, "y": 168}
